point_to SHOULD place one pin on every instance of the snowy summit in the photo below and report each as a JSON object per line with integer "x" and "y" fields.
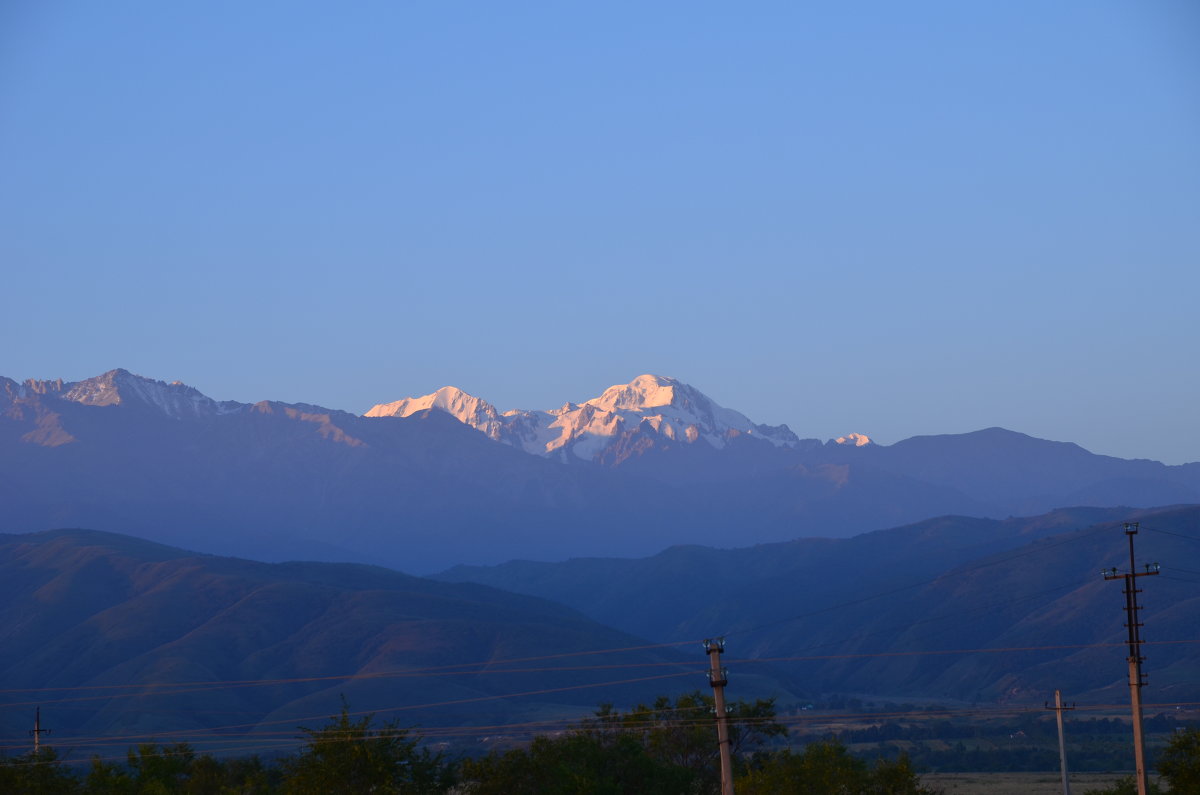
{"x": 651, "y": 404}
{"x": 121, "y": 387}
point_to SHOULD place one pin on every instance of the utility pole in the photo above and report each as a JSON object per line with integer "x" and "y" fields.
{"x": 37, "y": 731}
{"x": 718, "y": 677}
{"x": 1136, "y": 679}
{"x": 1062, "y": 745}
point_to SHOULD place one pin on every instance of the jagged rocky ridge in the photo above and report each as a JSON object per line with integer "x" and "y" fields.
{"x": 648, "y": 406}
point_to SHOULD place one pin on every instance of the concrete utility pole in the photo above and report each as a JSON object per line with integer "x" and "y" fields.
{"x": 37, "y": 731}
{"x": 1136, "y": 679}
{"x": 718, "y": 677}
{"x": 1062, "y": 745}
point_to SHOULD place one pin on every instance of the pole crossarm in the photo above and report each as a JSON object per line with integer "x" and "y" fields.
{"x": 37, "y": 731}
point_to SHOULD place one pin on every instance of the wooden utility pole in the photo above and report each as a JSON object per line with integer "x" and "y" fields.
{"x": 718, "y": 677}
{"x": 37, "y": 731}
{"x": 1136, "y": 679}
{"x": 1062, "y": 745}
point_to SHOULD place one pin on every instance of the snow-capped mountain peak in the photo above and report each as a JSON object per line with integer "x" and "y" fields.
{"x": 121, "y": 387}
{"x": 854, "y": 440}
{"x": 643, "y": 392}
{"x": 649, "y": 404}
{"x": 464, "y": 407}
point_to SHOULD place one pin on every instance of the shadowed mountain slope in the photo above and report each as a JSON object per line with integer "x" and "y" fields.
{"x": 943, "y": 584}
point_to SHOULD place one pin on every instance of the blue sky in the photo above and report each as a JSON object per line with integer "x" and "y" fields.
{"x": 890, "y": 218}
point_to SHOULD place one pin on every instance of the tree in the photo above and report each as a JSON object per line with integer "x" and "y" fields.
{"x": 682, "y": 732}
{"x": 666, "y": 747}
{"x": 154, "y": 769}
{"x": 243, "y": 775}
{"x": 1125, "y": 786}
{"x": 160, "y": 768}
{"x": 106, "y": 778}
{"x": 36, "y": 773}
{"x": 347, "y": 756}
{"x": 578, "y": 763}
{"x": 820, "y": 767}
{"x": 1179, "y": 763}
{"x": 896, "y": 778}
{"x": 828, "y": 768}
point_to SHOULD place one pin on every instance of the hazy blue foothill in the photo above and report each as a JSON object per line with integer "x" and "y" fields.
{"x": 118, "y": 635}
{"x": 937, "y": 585}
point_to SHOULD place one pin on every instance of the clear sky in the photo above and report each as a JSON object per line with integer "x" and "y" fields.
{"x": 883, "y": 217}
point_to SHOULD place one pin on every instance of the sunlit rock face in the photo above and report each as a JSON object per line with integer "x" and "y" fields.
{"x": 649, "y": 404}
{"x": 477, "y": 413}
{"x": 121, "y": 387}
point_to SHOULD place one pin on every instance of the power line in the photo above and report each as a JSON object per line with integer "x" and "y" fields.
{"x": 180, "y": 688}
{"x": 374, "y": 674}
{"x": 1171, "y": 533}
{"x": 944, "y": 617}
{"x": 917, "y": 653}
{"x": 430, "y": 705}
{"x": 490, "y": 666}
{"x": 1037, "y": 547}
{"x": 293, "y": 721}
{"x": 168, "y": 690}
{"x": 164, "y": 690}
{"x": 1179, "y": 579}
{"x": 580, "y": 723}
{"x": 459, "y": 668}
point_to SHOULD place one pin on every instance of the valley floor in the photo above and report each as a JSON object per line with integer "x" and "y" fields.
{"x": 1015, "y": 783}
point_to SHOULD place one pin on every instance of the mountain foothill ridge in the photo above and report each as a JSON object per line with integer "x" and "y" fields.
{"x": 89, "y": 610}
{"x": 85, "y": 610}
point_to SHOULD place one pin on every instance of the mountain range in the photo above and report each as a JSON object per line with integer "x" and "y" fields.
{"x": 649, "y": 407}
{"x": 884, "y": 612}
{"x": 424, "y": 483}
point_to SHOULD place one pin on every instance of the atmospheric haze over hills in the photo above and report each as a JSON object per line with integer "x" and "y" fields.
{"x": 425, "y": 483}
{"x": 574, "y": 535}
{"x": 951, "y": 610}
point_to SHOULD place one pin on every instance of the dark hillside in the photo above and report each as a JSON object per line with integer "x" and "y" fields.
{"x": 943, "y": 584}
{"x": 112, "y": 635}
